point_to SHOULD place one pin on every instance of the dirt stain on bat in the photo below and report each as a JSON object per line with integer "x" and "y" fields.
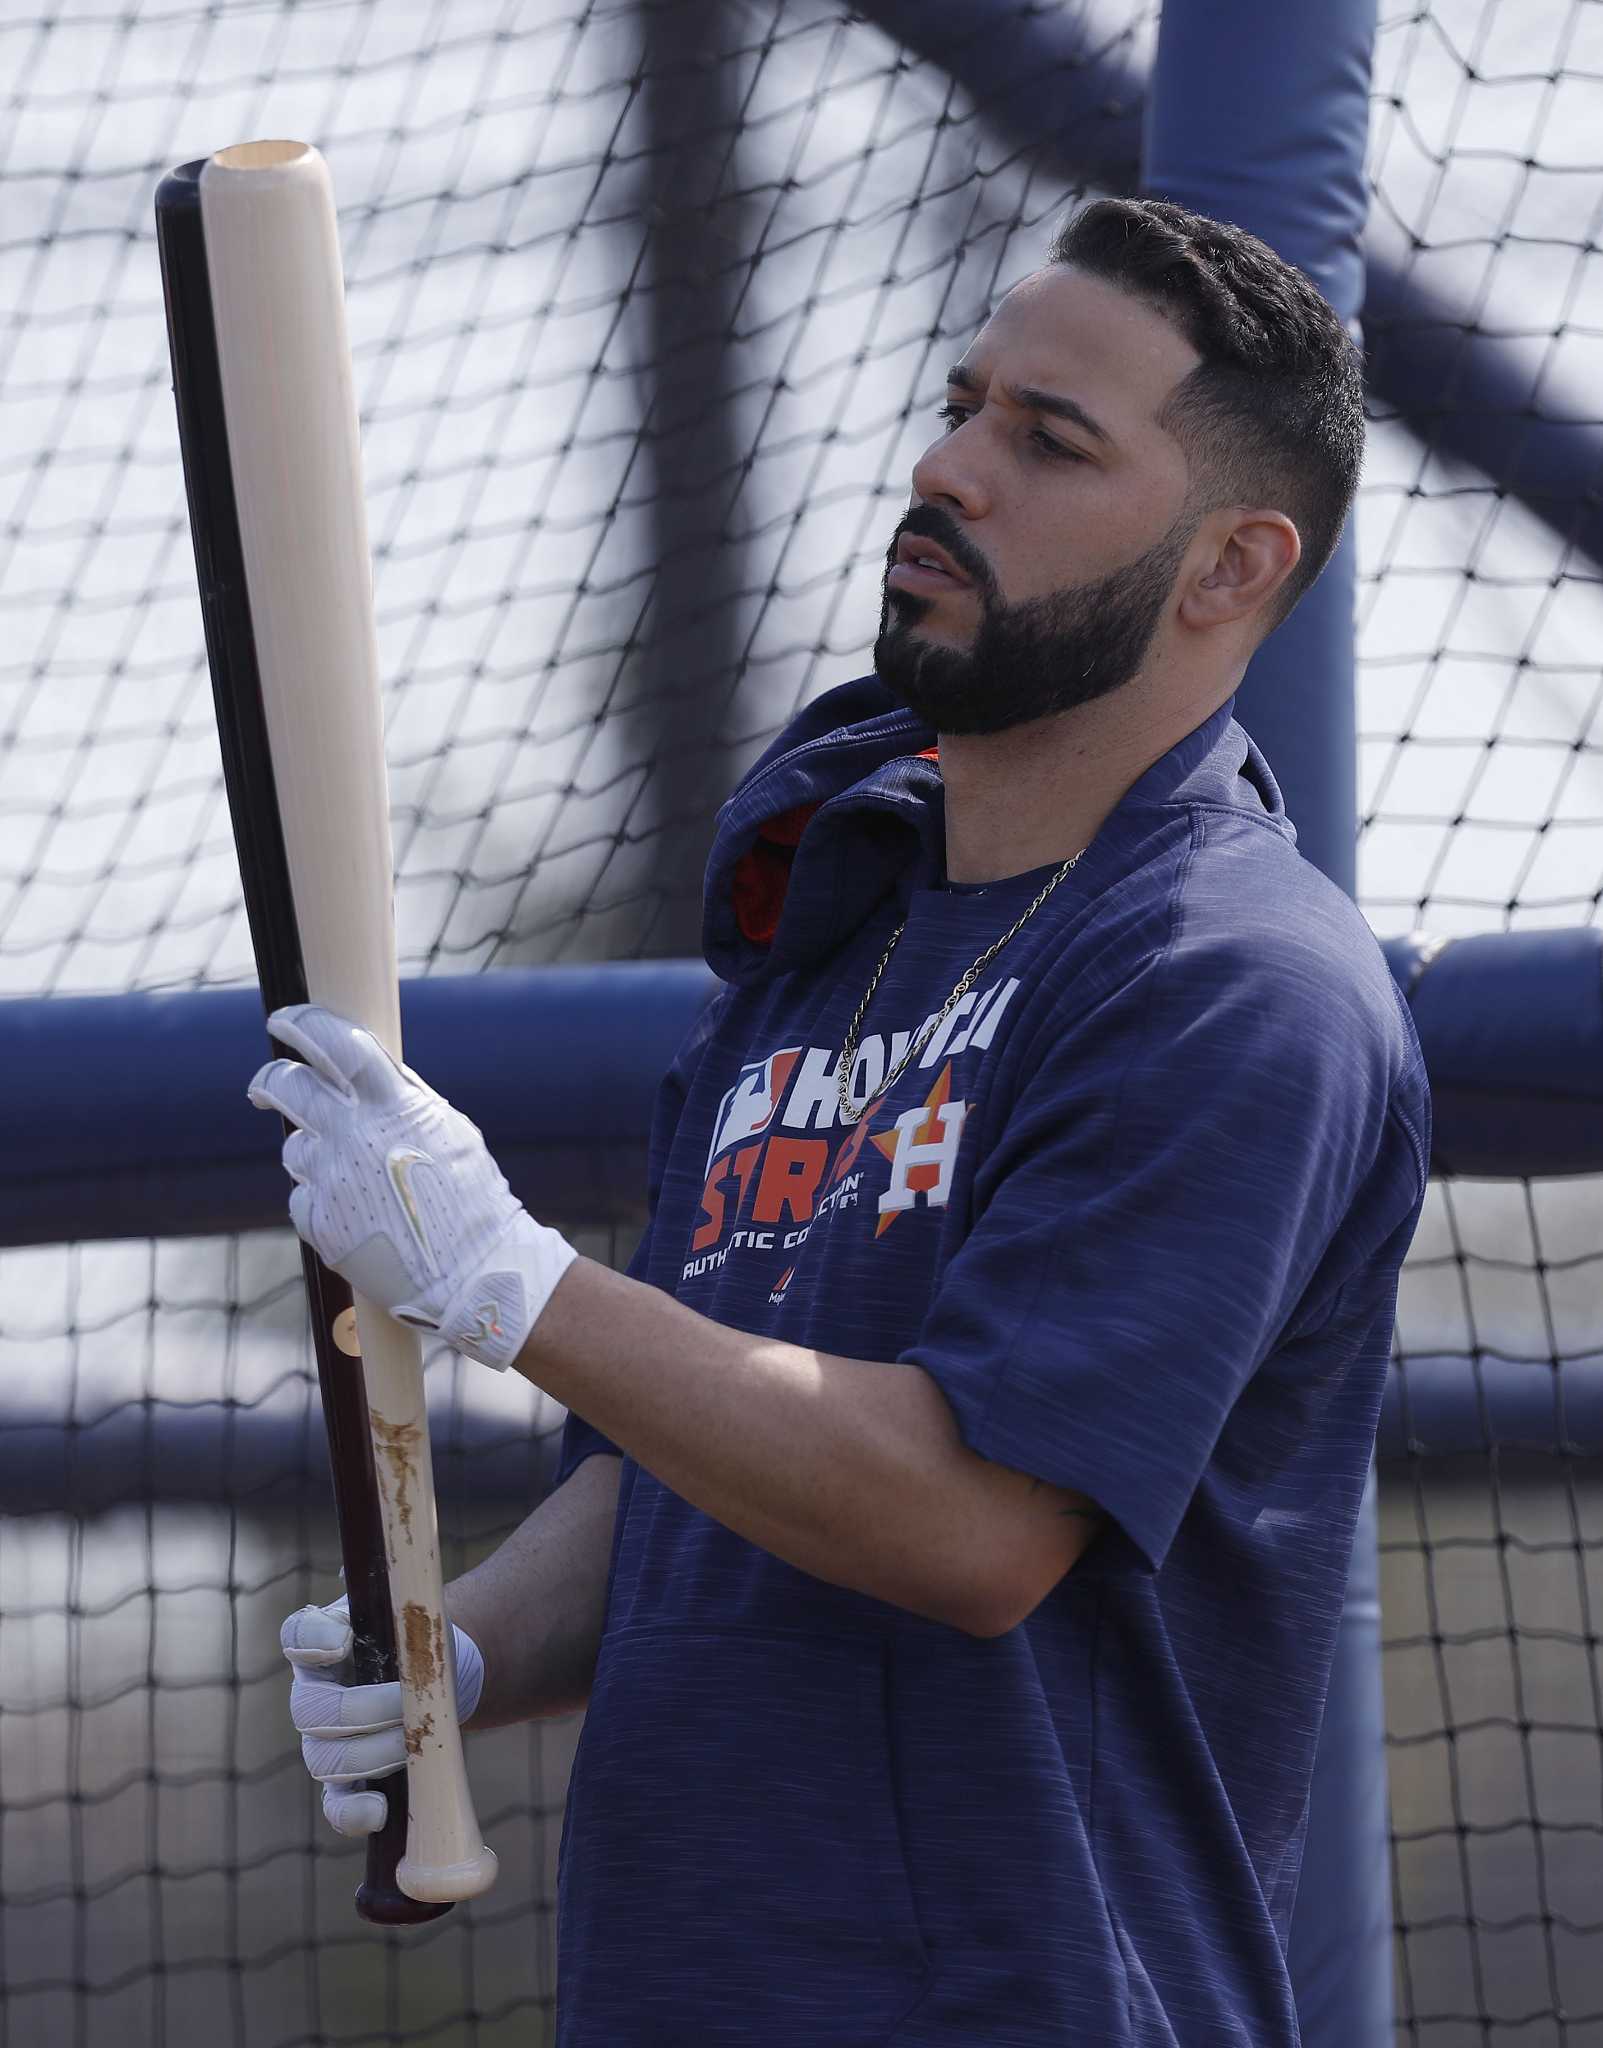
{"x": 422, "y": 1646}
{"x": 416, "y": 1737}
{"x": 396, "y": 1444}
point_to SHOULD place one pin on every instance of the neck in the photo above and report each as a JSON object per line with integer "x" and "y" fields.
{"x": 1038, "y": 793}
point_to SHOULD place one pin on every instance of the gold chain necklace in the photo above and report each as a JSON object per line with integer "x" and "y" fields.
{"x": 848, "y": 1052}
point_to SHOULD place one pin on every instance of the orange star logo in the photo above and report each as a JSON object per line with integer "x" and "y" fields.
{"x": 920, "y": 1179}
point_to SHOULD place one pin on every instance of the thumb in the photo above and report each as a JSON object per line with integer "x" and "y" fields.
{"x": 354, "y": 1809}
{"x": 313, "y": 1638}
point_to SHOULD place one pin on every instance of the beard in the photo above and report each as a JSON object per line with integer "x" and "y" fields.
{"x": 1028, "y": 660}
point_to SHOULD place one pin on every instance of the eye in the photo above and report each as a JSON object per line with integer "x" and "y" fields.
{"x": 953, "y": 417}
{"x": 1055, "y": 450}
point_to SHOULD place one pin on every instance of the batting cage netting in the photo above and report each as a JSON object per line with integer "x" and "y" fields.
{"x": 650, "y": 307}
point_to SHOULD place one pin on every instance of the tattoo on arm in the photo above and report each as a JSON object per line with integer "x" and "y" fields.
{"x": 1073, "y": 1507}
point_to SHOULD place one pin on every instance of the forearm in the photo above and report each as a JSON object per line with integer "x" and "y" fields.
{"x": 851, "y": 1470}
{"x": 854, "y": 1470}
{"x": 535, "y": 1605}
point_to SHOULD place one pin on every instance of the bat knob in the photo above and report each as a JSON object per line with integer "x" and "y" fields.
{"x": 464, "y": 1880}
{"x": 384, "y": 1906}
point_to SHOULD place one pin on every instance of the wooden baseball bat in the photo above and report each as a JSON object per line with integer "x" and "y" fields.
{"x": 272, "y": 462}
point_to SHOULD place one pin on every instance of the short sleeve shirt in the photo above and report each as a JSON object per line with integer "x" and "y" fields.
{"x": 1137, "y": 1206}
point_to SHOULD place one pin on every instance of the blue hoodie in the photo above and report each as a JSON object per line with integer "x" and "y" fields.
{"x": 1138, "y": 1208}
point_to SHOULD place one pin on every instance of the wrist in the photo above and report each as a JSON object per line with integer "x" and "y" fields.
{"x": 491, "y": 1315}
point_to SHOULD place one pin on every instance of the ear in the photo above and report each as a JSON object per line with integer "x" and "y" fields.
{"x": 1252, "y": 552}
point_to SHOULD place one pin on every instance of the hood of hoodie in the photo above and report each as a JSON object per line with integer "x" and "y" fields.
{"x": 847, "y": 807}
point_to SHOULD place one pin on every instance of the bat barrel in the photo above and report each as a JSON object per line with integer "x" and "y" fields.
{"x": 272, "y": 245}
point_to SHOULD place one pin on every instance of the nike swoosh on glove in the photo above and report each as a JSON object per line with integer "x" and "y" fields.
{"x": 397, "y": 1191}
{"x": 352, "y": 1734}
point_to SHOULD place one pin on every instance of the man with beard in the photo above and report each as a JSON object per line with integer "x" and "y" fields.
{"x": 956, "y": 1502}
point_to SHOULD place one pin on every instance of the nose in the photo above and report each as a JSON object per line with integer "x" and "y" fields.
{"x": 951, "y": 472}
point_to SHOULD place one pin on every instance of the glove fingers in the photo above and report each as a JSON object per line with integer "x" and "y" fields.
{"x": 300, "y": 1213}
{"x": 355, "y": 1756}
{"x": 321, "y": 1706}
{"x": 351, "y": 1058}
{"x": 328, "y": 1044}
{"x": 467, "y": 1669}
{"x": 301, "y": 1149}
{"x": 350, "y": 1735}
{"x": 294, "y": 1091}
{"x": 353, "y": 1810}
{"x": 316, "y": 1637}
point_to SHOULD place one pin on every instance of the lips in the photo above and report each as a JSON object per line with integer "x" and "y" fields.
{"x": 922, "y": 564}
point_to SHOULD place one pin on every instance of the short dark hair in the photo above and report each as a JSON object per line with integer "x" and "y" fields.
{"x": 1274, "y": 413}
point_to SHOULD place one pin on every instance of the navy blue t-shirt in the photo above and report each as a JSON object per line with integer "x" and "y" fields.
{"x": 1138, "y": 1208}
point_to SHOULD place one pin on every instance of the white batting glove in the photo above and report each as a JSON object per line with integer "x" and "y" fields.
{"x": 397, "y": 1191}
{"x": 352, "y": 1734}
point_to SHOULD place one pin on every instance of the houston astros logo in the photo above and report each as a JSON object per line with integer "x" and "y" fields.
{"x": 779, "y": 1164}
{"x": 488, "y": 1321}
{"x": 921, "y": 1146}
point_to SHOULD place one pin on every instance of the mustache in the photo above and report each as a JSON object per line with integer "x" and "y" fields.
{"x": 929, "y": 522}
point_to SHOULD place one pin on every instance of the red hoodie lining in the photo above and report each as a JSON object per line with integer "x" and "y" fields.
{"x": 762, "y": 873}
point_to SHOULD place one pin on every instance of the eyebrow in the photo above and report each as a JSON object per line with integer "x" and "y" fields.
{"x": 1032, "y": 400}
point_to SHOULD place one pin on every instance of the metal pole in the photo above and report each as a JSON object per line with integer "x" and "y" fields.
{"x": 1260, "y": 116}
{"x": 1485, "y": 399}
{"x": 690, "y": 644}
